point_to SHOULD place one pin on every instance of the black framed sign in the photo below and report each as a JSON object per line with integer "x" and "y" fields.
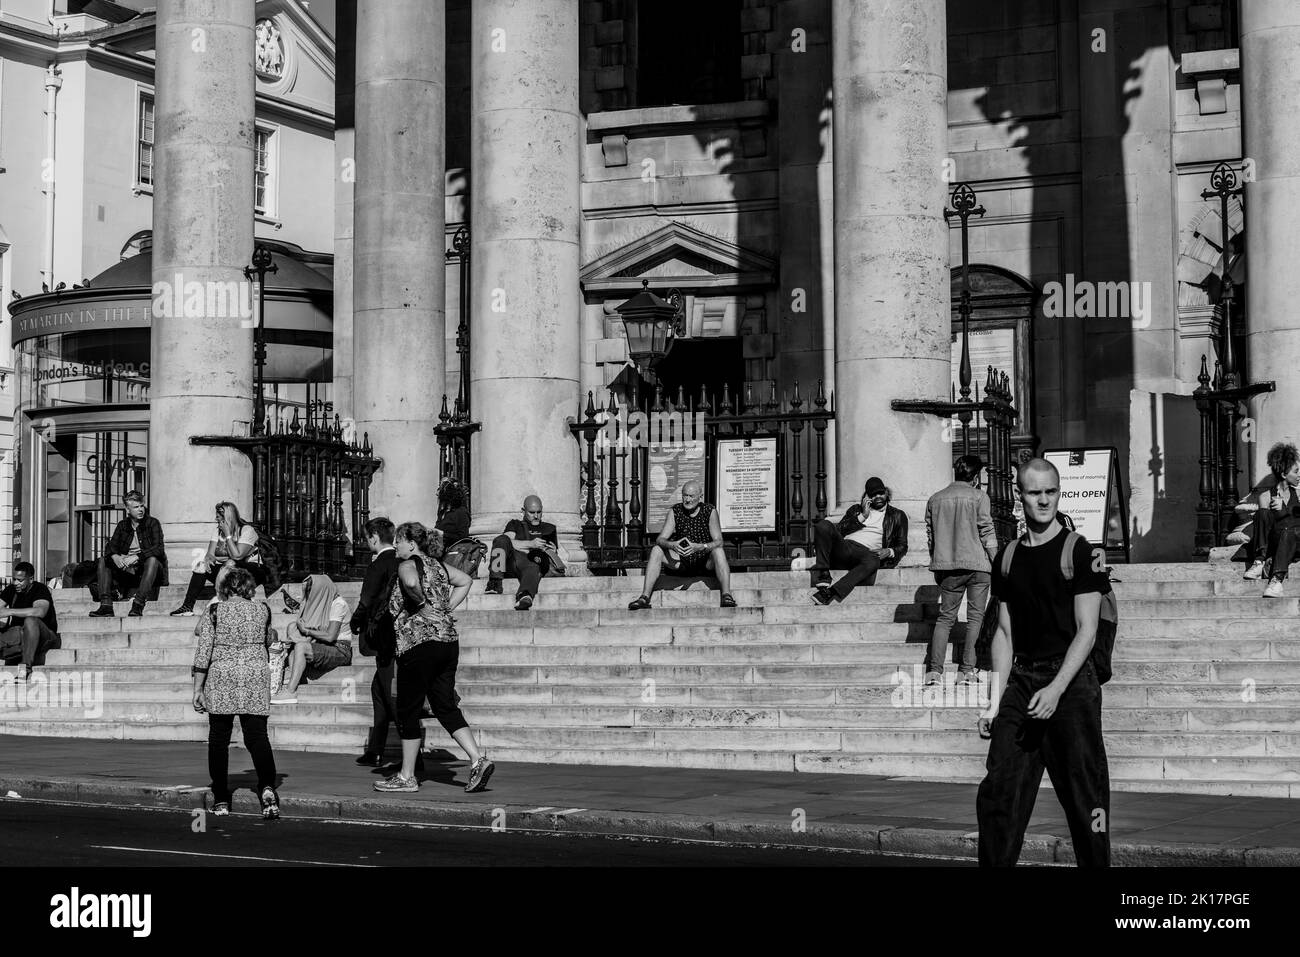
{"x": 1092, "y": 496}
{"x": 746, "y": 483}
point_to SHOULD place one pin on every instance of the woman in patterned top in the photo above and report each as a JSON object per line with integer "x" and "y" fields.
{"x": 421, "y": 603}
{"x": 231, "y": 678}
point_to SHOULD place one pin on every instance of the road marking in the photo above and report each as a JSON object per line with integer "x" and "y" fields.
{"x": 538, "y": 810}
{"x": 572, "y": 810}
{"x": 231, "y": 857}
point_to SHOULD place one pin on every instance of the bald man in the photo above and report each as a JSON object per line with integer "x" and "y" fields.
{"x": 1045, "y": 704}
{"x": 689, "y": 544}
{"x": 525, "y": 550}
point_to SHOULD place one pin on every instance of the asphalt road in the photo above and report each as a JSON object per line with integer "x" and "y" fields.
{"x": 36, "y": 834}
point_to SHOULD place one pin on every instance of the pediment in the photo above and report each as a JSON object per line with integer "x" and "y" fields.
{"x": 680, "y": 256}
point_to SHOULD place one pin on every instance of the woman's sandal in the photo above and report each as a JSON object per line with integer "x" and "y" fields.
{"x": 727, "y": 600}
{"x": 640, "y": 604}
{"x": 270, "y": 805}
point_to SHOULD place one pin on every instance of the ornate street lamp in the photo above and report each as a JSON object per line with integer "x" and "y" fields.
{"x": 651, "y": 323}
{"x": 262, "y": 264}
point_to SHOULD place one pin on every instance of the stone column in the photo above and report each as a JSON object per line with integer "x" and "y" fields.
{"x": 525, "y": 151}
{"x": 202, "y": 380}
{"x": 1270, "y": 76}
{"x": 892, "y": 322}
{"x": 399, "y": 279}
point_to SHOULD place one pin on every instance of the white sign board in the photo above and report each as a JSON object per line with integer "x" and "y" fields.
{"x": 746, "y": 483}
{"x": 1085, "y": 489}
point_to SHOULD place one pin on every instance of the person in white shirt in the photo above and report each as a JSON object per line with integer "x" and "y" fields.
{"x": 872, "y": 535}
{"x": 317, "y": 646}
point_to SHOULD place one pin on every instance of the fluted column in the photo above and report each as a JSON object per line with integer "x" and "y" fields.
{"x": 525, "y": 150}
{"x": 892, "y": 321}
{"x": 399, "y": 279}
{"x": 202, "y": 380}
{"x": 1270, "y": 76}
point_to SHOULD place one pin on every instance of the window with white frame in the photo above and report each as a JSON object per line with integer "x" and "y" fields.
{"x": 264, "y": 166}
{"x": 144, "y": 141}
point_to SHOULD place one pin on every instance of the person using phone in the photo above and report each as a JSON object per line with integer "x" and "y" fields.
{"x": 1275, "y": 541}
{"x": 233, "y": 545}
{"x": 690, "y": 543}
{"x": 526, "y": 550}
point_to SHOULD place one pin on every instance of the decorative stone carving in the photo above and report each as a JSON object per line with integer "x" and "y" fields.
{"x": 270, "y": 51}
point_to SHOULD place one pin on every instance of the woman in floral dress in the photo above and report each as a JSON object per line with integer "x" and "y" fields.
{"x": 231, "y": 678}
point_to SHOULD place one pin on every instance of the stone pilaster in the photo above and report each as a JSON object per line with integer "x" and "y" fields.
{"x": 1270, "y": 76}
{"x": 202, "y": 380}
{"x": 892, "y": 322}
{"x": 525, "y": 143}
{"x": 399, "y": 282}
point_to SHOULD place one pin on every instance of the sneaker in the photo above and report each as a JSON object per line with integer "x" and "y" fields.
{"x": 493, "y": 587}
{"x": 221, "y": 809}
{"x": 1274, "y": 589}
{"x": 270, "y": 805}
{"x": 137, "y": 611}
{"x": 284, "y": 698}
{"x": 524, "y": 603}
{"x": 397, "y": 783}
{"x": 933, "y": 679}
{"x": 822, "y": 584}
{"x": 1255, "y": 571}
{"x": 727, "y": 601}
{"x": 968, "y": 678}
{"x": 103, "y": 611}
{"x": 479, "y": 772}
{"x": 822, "y": 596}
{"x": 184, "y": 611}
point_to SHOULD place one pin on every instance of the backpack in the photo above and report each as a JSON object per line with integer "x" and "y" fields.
{"x": 271, "y": 562}
{"x": 1108, "y": 618}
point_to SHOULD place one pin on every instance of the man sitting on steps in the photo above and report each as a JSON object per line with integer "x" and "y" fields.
{"x": 871, "y": 535}
{"x": 31, "y": 624}
{"x": 135, "y": 559}
{"x": 690, "y": 544}
{"x": 1275, "y": 540}
{"x": 525, "y": 550}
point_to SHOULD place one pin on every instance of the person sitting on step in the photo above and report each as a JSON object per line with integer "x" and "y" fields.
{"x": 233, "y": 545}
{"x": 689, "y": 544}
{"x": 871, "y": 535}
{"x": 134, "y": 560}
{"x": 526, "y": 550}
{"x": 1274, "y": 539}
{"x": 31, "y": 625}
{"x": 317, "y": 648}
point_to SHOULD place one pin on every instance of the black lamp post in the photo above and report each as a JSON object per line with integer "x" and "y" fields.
{"x": 963, "y": 206}
{"x": 1223, "y": 184}
{"x": 262, "y": 264}
{"x": 651, "y": 323}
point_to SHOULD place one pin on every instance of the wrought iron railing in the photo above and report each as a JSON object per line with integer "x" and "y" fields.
{"x": 616, "y": 484}
{"x": 301, "y": 475}
{"x": 454, "y": 430}
{"x": 983, "y": 427}
{"x": 1222, "y": 407}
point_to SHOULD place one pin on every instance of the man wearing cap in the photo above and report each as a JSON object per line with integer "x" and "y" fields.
{"x": 871, "y": 535}
{"x": 959, "y": 526}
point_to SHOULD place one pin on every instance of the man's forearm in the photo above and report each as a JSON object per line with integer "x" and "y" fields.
{"x": 1075, "y": 656}
{"x": 1001, "y": 652}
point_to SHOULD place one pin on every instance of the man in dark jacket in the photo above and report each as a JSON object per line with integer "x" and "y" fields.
{"x": 135, "y": 558}
{"x": 374, "y": 624}
{"x": 871, "y": 535}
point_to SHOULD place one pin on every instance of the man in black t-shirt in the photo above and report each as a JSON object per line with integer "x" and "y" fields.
{"x": 525, "y": 550}
{"x": 1048, "y": 712}
{"x": 32, "y": 626}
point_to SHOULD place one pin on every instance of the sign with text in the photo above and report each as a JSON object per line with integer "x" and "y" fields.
{"x": 50, "y": 318}
{"x": 669, "y": 467}
{"x": 1088, "y": 493}
{"x": 746, "y": 484}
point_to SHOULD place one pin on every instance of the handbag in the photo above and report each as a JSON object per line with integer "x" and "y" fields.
{"x": 465, "y": 555}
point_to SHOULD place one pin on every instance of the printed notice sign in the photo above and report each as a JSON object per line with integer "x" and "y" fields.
{"x": 670, "y": 467}
{"x": 1085, "y": 489}
{"x": 746, "y": 484}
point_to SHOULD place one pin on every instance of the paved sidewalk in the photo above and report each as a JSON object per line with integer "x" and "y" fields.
{"x": 835, "y": 810}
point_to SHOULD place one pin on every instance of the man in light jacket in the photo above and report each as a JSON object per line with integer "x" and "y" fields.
{"x": 959, "y": 526}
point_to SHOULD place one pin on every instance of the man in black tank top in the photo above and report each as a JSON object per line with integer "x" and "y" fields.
{"x": 1045, "y": 698}
{"x": 690, "y": 543}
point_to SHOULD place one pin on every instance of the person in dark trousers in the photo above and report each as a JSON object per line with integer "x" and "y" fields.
{"x": 1274, "y": 541}
{"x": 373, "y": 623}
{"x": 959, "y": 527}
{"x": 233, "y": 545}
{"x": 871, "y": 535}
{"x": 1045, "y": 707}
{"x": 135, "y": 559}
{"x": 33, "y": 624}
{"x": 231, "y": 678}
{"x": 423, "y": 598}
{"x": 525, "y": 550}
{"x": 690, "y": 543}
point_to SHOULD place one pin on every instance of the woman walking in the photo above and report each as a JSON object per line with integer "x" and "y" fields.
{"x": 231, "y": 678}
{"x": 421, "y": 603}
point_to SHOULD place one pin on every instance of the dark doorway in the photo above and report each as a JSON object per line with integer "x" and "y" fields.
{"x": 704, "y": 363}
{"x": 688, "y": 53}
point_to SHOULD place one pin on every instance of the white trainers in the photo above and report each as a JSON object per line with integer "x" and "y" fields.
{"x": 1274, "y": 589}
{"x": 1255, "y": 571}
